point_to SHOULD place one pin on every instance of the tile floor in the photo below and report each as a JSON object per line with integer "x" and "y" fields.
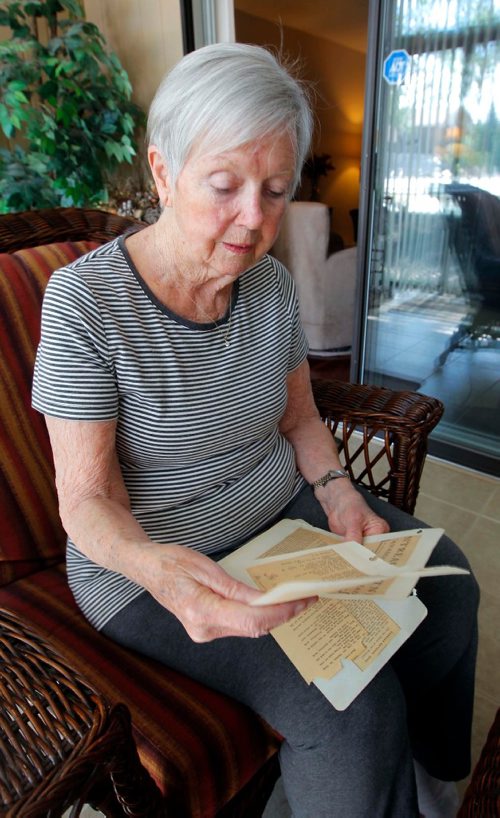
{"x": 467, "y": 505}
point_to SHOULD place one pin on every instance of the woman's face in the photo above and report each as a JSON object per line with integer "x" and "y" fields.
{"x": 226, "y": 209}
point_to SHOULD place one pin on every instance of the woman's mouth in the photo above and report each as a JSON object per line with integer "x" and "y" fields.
{"x": 238, "y": 249}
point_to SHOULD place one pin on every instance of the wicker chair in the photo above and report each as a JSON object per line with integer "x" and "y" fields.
{"x": 60, "y": 740}
{"x": 209, "y": 756}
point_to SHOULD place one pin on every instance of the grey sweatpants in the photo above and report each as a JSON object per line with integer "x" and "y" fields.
{"x": 355, "y": 763}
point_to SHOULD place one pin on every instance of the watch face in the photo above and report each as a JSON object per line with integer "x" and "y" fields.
{"x": 333, "y": 474}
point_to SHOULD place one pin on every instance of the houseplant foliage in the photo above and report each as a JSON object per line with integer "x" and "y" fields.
{"x": 316, "y": 166}
{"x": 65, "y": 107}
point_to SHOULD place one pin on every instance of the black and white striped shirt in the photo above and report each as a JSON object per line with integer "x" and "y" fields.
{"x": 197, "y": 423}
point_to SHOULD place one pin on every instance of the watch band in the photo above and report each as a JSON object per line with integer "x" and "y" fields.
{"x": 333, "y": 474}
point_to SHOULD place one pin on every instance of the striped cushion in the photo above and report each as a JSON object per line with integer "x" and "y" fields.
{"x": 199, "y": 746}
{"x": 31, "y": 530}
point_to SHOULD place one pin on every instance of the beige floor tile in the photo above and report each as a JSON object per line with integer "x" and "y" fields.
{"x": 492, "y": 507}
{"x": 468, "y": 507}
{"x": 435, "y": 512}
{"x": 461, "y": 487}
{"x": 488, "y": 661}
{"x": 481, "y": 544}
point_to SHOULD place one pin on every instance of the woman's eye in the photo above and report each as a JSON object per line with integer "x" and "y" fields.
{"x": 277, "y": 194}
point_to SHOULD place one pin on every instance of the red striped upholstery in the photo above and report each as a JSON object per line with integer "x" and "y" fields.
{"x": 201, "y": 748}
{"x": 31, "y": 531}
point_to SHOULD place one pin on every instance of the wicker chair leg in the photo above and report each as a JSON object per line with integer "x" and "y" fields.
{"x": 100, "y": 794}
{"x": 117, "y": 784}
{"x": 135, "y": 792}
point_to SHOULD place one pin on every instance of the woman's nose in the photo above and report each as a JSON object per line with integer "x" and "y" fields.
{"x": 251, "y": 214}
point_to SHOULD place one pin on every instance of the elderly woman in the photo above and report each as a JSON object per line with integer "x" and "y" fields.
{"x": 173, "y": 374}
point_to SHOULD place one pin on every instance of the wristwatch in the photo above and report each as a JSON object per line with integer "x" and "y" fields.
{"x": 333, "y": 474}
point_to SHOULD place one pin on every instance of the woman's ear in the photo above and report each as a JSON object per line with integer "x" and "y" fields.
{"x": 160, "y": 175}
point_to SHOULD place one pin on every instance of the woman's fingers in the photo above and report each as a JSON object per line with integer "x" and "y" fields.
{"x": 212, "y": 604}
{"x": 215, "y": 617}
{"x": 365, "y": 526}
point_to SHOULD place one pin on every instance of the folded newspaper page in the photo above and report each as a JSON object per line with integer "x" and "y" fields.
{"x": 366, "y": 608}
{"x": 346, "y": 570}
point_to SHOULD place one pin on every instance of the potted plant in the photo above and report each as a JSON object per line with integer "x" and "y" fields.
{"x": 316, "y": 166}
{"x": 65, "y": 107}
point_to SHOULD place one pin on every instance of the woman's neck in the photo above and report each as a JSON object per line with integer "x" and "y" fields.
{"x": 192, "y": 294}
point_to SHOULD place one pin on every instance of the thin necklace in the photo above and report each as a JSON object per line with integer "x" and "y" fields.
{"x": 224, "y": 334}
{"x": 225, "y": 339}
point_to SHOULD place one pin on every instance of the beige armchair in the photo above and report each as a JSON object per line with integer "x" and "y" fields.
{"x": 325, "y": 284}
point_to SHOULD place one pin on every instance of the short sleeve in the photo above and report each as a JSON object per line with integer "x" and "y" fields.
{"x": 73, "y": 376}
{"x": 299, "y": 346}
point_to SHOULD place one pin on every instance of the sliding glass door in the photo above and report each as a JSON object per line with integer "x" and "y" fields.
{"x": 430, "y": 216}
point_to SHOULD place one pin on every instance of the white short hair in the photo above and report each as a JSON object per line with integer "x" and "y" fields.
{"x": 223, "y": 96}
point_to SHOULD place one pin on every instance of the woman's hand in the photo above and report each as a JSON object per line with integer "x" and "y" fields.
{"x": 348, "y": 514}
{"x": 208, "y": 601}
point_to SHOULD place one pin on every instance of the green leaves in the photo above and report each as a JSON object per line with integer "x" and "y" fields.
{"x": 6, "y": 121}
{"x": 22, "y": 179}
{"x": 73, "y": 6}
{"x": 69, "y": 102}
{"x": 122, "y": 151}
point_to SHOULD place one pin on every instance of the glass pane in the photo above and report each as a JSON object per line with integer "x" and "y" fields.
{"x": 433, "y": 320}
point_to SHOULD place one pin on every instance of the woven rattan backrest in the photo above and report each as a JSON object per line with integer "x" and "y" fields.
{"x": 34, "y": 227}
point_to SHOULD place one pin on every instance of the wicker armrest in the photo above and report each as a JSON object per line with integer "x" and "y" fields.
{"x": 381, "y": 434}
